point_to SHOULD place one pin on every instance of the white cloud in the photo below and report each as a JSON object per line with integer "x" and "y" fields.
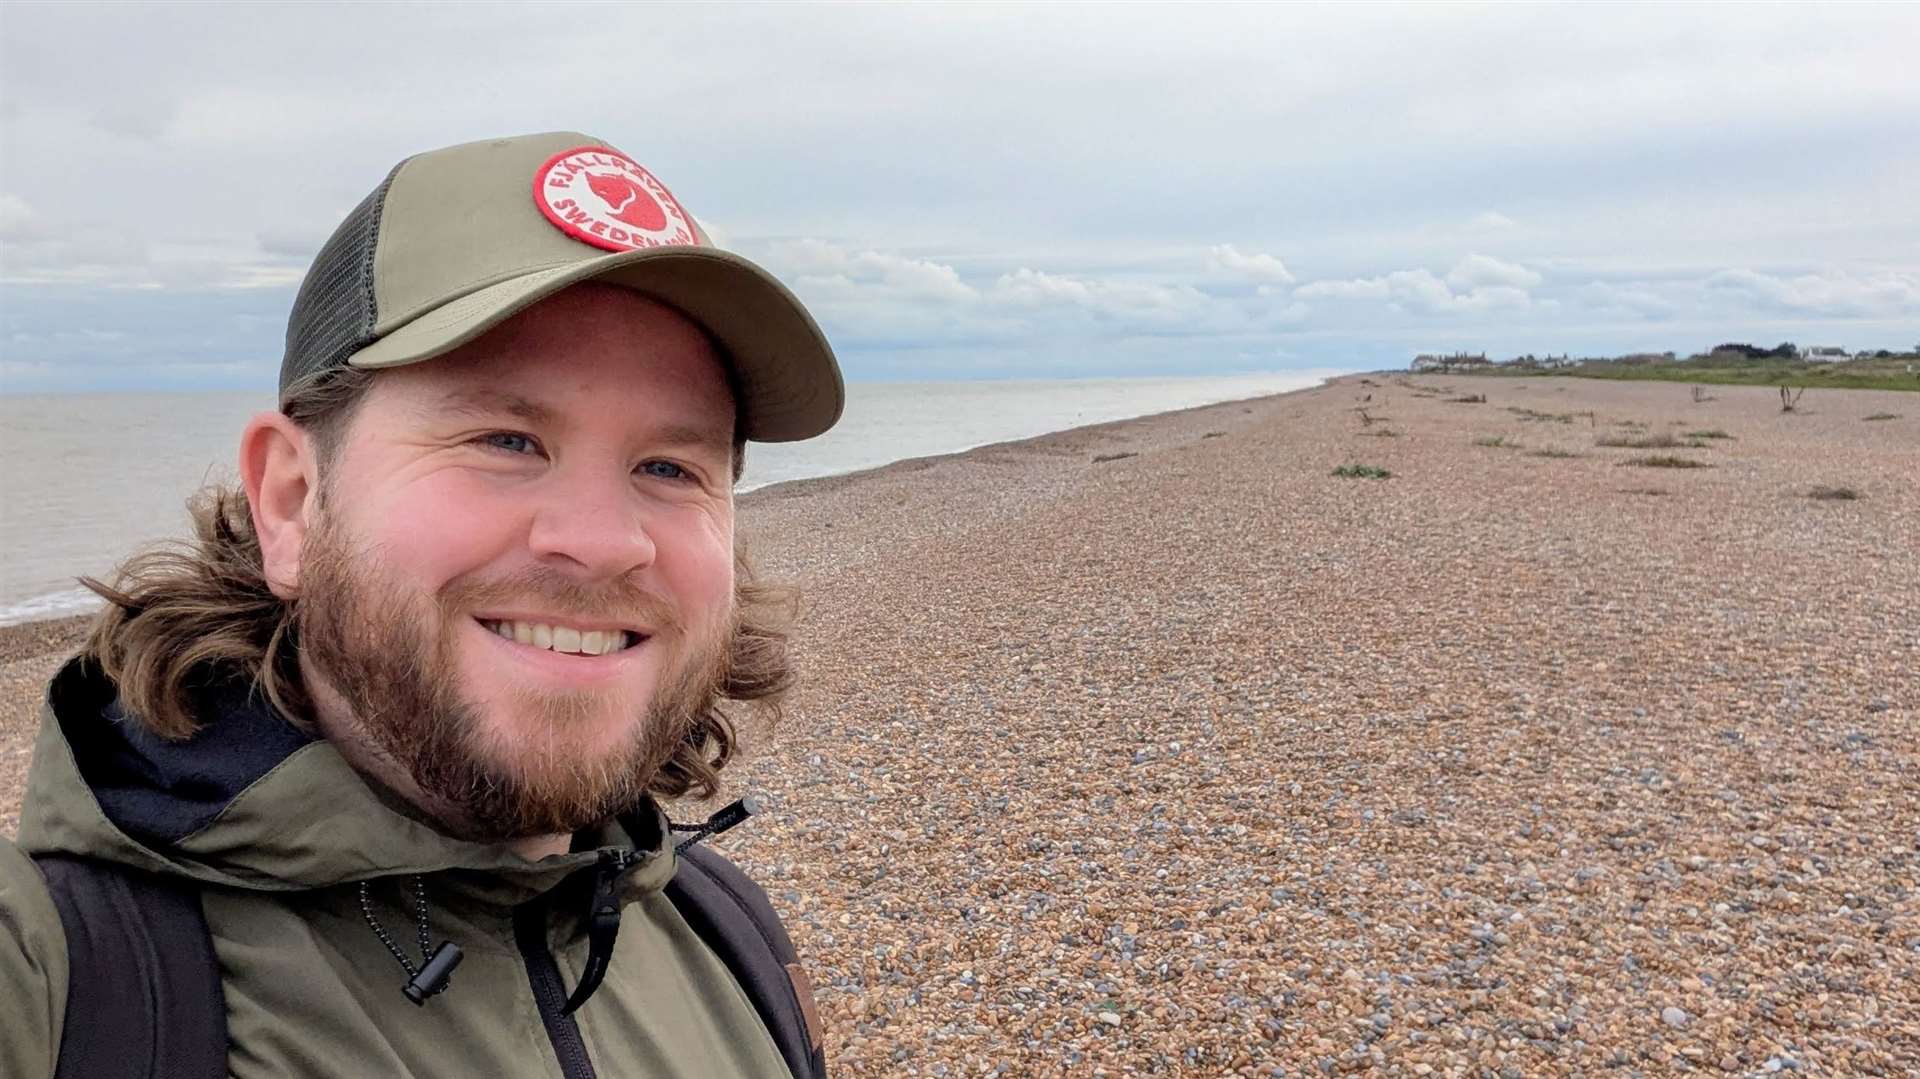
{"x": 1476, "y": 284}
{"x": 1476, "y": 270}
{"x": 1632, "y": 300}
{"x": 1369, "y": 288}
{"x": 831, "y": 267}
{"x": 1126, "y": 303}
{"x": 1834, "y": 294}
{"x": 18, "y": 222}
{"x": 1491, "y": 221}
{"x": 1262, "y": 267}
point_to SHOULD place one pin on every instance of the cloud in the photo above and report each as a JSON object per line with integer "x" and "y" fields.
{"x": 1831, "y": 294}
{"x": 1477, "y": 283}
{"x": 1136, "y": 304}
{"x": 1369, "y": 288}
{"x": 18, "y": 222}
{"x": 1490, "y": 221}
{"x": 833, "y": 267}
{"x": 1477, "y": 270}
{"x": 1629, "y": 300}
{"x": 1261, "y": 267}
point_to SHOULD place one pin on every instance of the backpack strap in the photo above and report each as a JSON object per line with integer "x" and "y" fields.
{"x": 732, "y": 915}
{"x": 144, "y": 999}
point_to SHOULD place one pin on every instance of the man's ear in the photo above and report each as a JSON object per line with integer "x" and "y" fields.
{"x": 281, "y": 477}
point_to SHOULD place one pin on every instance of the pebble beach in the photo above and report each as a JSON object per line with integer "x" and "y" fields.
{"x": 1585, "y": 740}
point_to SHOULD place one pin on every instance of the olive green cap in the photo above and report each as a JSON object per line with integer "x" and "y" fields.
{"x": 455, "y": 241}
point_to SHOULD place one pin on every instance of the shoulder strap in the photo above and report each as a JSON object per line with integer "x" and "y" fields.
{"x": 143, "y": 994}
{"x": 735, "y": 919}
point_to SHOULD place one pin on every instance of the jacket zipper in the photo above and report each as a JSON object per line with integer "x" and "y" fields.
{"x": 549, "y": 992}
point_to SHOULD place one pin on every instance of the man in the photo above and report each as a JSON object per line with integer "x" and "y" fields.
{"x": 398, "y": 723}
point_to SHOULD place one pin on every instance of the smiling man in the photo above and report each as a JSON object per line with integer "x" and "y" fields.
{"x": 367, "y": 780}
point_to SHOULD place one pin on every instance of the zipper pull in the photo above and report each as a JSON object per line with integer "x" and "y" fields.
{"x": 603, "y": 925}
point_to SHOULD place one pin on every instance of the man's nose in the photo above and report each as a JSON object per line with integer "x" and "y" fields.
{"x": 591, "y": 522}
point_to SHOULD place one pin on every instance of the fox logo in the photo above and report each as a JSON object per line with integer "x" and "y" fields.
{"x": 627, "y": 201}
{"x": 600, "y": 196}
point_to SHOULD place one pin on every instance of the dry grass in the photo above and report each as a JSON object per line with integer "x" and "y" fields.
{"x": 1833, "y": 494}
{"x": 1665, "y": 460}
{"x": 1663, "y": 440}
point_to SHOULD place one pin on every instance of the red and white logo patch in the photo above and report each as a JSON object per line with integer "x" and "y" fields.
{"x": 603, "y": 197}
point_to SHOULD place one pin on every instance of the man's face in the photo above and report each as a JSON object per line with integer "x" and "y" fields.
{"x": 520, "y": 579}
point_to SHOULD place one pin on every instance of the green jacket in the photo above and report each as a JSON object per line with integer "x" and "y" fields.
{"x": 279, "y": 832}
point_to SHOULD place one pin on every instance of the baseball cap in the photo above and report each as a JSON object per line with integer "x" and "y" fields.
{"x": 455, "y": 241}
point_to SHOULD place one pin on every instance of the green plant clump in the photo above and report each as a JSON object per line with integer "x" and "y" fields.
{"x": 1667, "y": 461}
{"x": 1361, "y": 472}
{"x": 1834, "y": 494}
{"x": 1663, "y": 440}
{"x": 1708, "y": 434}
{"x": 1883, "y": 416}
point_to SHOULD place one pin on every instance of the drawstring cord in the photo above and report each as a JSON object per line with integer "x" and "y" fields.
{"x": 431, "y": 978}
{"x": 435, "y": 972}
{"x": 603, "y": 907}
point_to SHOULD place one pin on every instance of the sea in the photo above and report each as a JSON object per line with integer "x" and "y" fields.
{"x": 86, "y": 479}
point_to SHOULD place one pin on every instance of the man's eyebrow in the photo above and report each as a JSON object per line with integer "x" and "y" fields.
{"x": 483, "y": 401}
{"x": 679, "y": 434}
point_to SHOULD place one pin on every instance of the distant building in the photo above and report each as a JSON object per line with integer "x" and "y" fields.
{"x": 1428, "y": 361}
{"x": 1825, "y": 354}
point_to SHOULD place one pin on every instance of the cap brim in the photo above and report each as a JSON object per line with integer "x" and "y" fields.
{"x": 784, "y": 369}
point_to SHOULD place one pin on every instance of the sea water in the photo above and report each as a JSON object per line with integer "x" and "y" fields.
{"x": 88, "y": 478}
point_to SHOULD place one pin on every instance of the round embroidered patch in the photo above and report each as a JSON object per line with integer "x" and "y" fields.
{"x": 601, "y": 196}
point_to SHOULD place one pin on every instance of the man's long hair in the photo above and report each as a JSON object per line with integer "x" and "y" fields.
{"x": 183, "y": 616}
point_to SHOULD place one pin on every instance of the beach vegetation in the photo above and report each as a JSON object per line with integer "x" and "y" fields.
{"x": 1728, "y": 365}
{"x": 1882, "y": 416}
{"x": 1662, "y": 440}
{"x": 1644, "y": 491}
{"x": 1497, "y": 442}
{"x": 1556, "y": 454}
{"x": 1541, "y": 417}
{"x": 1468, "y": 399}
{"x": 1716, "y": 433}
{"x": 1362, "y": 472}
{"x": 1666, "y": 461}
{"x": 1833, "y": 494}
{"x": 1103, "y": 458}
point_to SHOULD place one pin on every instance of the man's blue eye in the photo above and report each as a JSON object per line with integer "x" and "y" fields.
{"x": 510, "y": 441}
{"x": 665, "y": 470}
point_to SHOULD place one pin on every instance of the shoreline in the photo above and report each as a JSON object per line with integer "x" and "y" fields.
{"x": 21, "y": 639}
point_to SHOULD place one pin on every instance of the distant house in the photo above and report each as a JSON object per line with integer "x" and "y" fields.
{"x": 1825, "y": 354}
{"x": 1428, "y": 361}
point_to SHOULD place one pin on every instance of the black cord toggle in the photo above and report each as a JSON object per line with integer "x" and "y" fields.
{"x": 726, "y": 818}
{"x": 434, "y": 978}
{"x": 436, "y": 969}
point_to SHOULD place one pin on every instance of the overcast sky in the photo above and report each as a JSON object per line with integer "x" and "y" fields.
{"x": 993, "y": 191}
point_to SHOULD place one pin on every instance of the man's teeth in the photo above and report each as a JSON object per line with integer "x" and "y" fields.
{"x": 593, "y": 642}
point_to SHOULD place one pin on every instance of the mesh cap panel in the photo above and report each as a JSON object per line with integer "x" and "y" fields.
{"x": 334, "y": 313}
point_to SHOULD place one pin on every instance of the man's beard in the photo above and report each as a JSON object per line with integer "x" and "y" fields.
{"x": 391, "y": 656}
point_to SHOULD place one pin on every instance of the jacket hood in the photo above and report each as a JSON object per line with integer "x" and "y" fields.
{"x": 252, "y": 801}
